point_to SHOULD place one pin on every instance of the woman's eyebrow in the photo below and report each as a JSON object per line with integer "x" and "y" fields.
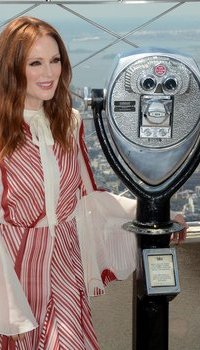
{"x": 41, "y": 58}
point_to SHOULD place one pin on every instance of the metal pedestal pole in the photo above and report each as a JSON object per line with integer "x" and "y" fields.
{"x": 152, "y": 323}
{"x": 152, "y": 315}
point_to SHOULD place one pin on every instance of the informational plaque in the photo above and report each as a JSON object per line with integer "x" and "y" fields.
{"x": 161, "y": 271}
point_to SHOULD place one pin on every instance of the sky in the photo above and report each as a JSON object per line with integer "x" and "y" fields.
{"x": 110, "y": 15}
{"x": 54, "y": 13}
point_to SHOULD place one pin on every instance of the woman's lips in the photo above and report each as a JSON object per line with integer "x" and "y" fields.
{"x": 46, "y": 85}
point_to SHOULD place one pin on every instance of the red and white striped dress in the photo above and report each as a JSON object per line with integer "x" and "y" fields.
{"x": 49, "y": 268}
{"x": 59, "y": 247}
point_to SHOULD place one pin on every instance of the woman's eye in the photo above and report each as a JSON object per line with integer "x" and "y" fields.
{"x": 56, "y": 60}
{"x": 35, "y": 63}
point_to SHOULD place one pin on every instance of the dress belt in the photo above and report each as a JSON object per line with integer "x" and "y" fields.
{"x": 43, "y": 223}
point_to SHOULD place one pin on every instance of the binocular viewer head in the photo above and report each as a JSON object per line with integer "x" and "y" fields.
{"x": 152, "y": 104}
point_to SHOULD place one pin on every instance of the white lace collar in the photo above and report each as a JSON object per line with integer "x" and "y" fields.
{"x": 42, "y": 137}
{"x": 39, "y": 124}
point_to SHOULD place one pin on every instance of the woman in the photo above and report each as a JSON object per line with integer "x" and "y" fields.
{"x": 44, "y": 172}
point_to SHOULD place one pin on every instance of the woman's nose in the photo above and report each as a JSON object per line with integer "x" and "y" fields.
{"x": 48, "y": 70}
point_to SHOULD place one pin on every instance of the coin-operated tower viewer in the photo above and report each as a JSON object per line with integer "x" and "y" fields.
{"x": 150, "y": 134}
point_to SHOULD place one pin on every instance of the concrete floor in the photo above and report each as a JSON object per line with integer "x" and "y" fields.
{"x": 112, "y": 313}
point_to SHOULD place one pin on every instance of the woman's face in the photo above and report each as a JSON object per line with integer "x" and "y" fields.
{"x": 43, "y": 69}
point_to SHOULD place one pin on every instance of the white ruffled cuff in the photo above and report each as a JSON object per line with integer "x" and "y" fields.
{"x": 16, "y": 315}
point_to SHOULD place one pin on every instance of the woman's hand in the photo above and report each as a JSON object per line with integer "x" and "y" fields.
{"x": 179, "y": 237}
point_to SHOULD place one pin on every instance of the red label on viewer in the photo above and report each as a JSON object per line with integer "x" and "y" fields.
{"x": 160, "y": 69}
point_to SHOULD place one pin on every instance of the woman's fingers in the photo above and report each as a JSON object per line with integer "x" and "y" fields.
{"x": 180, "y": 236}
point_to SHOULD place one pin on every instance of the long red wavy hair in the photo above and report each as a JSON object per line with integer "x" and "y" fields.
{"x": 15, "y": 42}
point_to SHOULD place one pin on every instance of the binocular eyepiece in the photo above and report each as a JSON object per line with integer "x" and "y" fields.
{"x": 169, "y": 84}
